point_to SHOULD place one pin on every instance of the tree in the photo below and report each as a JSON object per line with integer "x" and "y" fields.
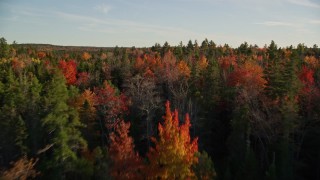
{"x": 110, "y": 104}
{"x": 156, "y": 47}
{"x": 204, "y": 169}
{"x": 116, "y": 51}
{"x": 165, "y": 48}
{"x": 69, "y": 70}
{"x": 145, "y": 100}
{"x": 178, "y": 51}
{"x": 86, "y": 56}
{"x": 126, "y": 163}
{"x": 22, "y": 169}
{"x": 86, "y": 106}
{"x": 204, "y": 46}
{"x": 61, "y": 124}
{"x": 306, "y": 77}
{"x": 13, "y": 99}
{"x": 174, "y": 151}
{"x": 249, "y": 77}
{"x": 41, "y": 54}
{"x": 4, "y": 48}
{"x": 190, "y": 45}
{"x": 83, "y": 79}
{"x": 183, "y": 68}
{"x": 272, "y": 50}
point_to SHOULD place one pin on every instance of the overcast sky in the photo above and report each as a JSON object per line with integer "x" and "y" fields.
{"x": 143, "y": 23}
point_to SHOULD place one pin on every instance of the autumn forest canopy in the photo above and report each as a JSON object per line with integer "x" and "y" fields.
{"x": 194, "y": 111}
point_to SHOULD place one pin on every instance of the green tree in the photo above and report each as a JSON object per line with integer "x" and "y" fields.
{"x": 178, "y": 51}
{"x": 4, "y": 48}
{"x": 13, "y": 128}
{"x": 165, "y": 48}
{"x": 272, "y": 50}
{"x": 61, "y": 123}
{"x": 204, "y": 169}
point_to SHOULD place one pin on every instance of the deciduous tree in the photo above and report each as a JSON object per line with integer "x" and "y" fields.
{"x": 22, "y": 169}
{"x": 174, "y": 151}
{"x": 69, "y": 70}
{"x": 110, "y": 104}
{"x": 126, "y": 163}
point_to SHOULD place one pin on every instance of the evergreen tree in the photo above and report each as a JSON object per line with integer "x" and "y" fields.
{"x": 204, "y": 169}
{"x": 4, "y": 48}
{"x": 61, "y": 123}
{"x": 13, "y": 132}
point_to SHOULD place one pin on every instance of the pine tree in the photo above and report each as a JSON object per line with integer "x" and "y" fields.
{"x": 204, "y": 169}
{"x": 13, "y": 132}
{"x": 61, "y": 123}
{"x": 4, "y": 48}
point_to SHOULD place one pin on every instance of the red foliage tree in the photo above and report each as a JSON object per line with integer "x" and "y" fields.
{"x": 110, "y": 103}
{"x": 126, "y": 163}
{"x": 309, "y": 93}
{"x": 227, "y": 61}
{"x": 306, "y": 77}
{"x": 83, "y": 78}
{"x": 249, "y": 77}
{"x": 139, "y": 64}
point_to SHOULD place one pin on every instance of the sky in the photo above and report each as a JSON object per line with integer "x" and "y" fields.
{"x": 142, "y": 23}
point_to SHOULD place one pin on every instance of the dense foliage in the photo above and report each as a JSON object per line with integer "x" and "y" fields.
{"x": 252, "y": 112}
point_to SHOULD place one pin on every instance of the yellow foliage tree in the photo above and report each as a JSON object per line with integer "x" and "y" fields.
{"x": 202, "y": 63}
{"x": 311, "y": 61}
{"x": 184, "y": 69}
{"x": 174, "y": 152}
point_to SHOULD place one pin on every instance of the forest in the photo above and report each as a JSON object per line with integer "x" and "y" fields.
{"x": 194, "y": 111}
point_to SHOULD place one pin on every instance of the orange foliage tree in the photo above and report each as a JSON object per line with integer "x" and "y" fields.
{"x": 86, "y": 56}
{"x": 17, "y": 64}
{"x": 69, "y": 70}
{"x": 22, "y": 169}
{"x": 202, "y": 63}
{"x": 227, "y": 61}
{"x": 311, "y": 61}
{"x": 174, "y": 152}
{"x": 126, "y": 163}
{"x": 87, "y": 98}
{"x": 184, "y": 69}
{"x": 249, "y": 77}
{"x": 139, "y": 64}
{"x": 41, "y": 54}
